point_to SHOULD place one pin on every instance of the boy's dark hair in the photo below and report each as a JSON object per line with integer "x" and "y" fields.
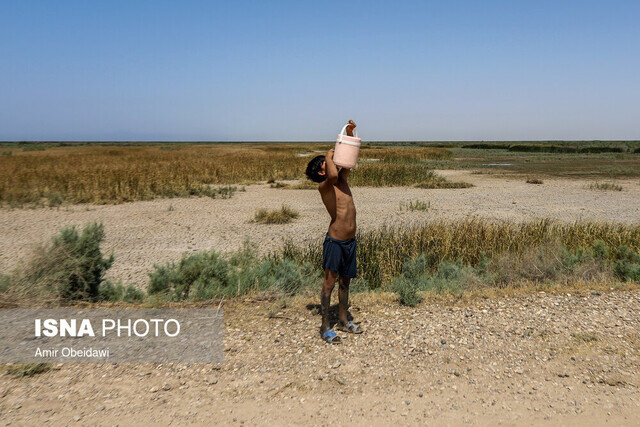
{"x": 315, "y": 166}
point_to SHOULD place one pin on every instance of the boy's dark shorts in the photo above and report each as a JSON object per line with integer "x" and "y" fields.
{"x": 340, "y": 256}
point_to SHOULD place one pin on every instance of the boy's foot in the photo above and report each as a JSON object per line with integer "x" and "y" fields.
{"x": 351, "y": 328}
{"x": 331, "y": 337}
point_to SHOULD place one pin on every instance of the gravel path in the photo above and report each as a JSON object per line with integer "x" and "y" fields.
{"x": 558, "y": 359}
{"x": 144, "y": 233}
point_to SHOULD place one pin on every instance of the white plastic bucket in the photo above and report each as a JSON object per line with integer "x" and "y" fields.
{"x": 347, "y": 149}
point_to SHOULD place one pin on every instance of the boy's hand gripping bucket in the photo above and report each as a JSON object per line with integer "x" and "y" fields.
{"x": 347, "y": 149}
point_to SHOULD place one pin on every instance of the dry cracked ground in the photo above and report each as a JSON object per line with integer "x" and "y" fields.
{"x": 568, "y": 359}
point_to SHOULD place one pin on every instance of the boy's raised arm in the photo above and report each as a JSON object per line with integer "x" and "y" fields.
{"x": 330, "y": 168}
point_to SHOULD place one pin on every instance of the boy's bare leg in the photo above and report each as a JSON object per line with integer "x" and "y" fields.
{"x": 343, "y": 298}
{"x": 325, "y": 298}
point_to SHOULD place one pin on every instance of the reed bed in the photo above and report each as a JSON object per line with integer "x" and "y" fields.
{"x": 383, "y": 252}
{"x": 103, "y": 174}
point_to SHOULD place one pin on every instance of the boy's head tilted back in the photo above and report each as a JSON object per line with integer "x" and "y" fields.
{"x": 315, "y": 169}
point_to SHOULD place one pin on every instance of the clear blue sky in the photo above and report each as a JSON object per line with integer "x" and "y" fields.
{"x": 296, "y": 70}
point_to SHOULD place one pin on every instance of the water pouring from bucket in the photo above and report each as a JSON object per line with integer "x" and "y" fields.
{"x": 347, "y": 147}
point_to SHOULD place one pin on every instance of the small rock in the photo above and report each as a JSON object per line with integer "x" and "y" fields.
{"x": 443, "y": 341}
{"x": 392, "y": 409}
{"x": 153, "y": 390}
{"x": 408, "y": 402}
{"x": 77, "y": 417}
{"x": 166, "y": 386}
{"x": 420, "y": 394}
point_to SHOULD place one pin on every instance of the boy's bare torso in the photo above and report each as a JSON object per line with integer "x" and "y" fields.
{"x": 338, "y": 200}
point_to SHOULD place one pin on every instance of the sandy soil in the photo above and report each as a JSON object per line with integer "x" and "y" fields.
{"x": 143, "y": 233}
{"x": 554, "y": 359}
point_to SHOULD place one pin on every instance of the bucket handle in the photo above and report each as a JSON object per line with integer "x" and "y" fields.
{"x": 344, "y": 131}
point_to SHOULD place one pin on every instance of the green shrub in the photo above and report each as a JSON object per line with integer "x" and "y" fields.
{"x": 200, "y": 276}
{"x": 119, "y": 292}
{"x": 208, "y": 275}
{"x": 71, "y": 268}
{"x": 627, "y": 266}
{"x": 601, "y": 250}
{"x": 449, "y": 277}
{"x": 407, "y": 292}
{"x": 282, "y": 276}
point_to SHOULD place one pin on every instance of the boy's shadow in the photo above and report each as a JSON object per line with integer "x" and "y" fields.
{"x": 333, "y": 313}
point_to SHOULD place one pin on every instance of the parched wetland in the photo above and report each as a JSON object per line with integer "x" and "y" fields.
{"x": 499, "y": 281}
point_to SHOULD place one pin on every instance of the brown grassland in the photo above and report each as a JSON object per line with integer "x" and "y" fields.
{"x": 116, "y": 174}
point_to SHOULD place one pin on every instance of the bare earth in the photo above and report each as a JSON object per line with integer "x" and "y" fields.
{"x": 143, "y": 233}
{"x": 563, "y": 359}
{"x": 540, "y": 359}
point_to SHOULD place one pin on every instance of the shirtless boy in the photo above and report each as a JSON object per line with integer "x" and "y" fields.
{"x": 339, "y": 250}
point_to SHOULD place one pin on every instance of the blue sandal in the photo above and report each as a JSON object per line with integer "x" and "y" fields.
{"x": 351, "y": 328}
{"x": 331, "y": 337}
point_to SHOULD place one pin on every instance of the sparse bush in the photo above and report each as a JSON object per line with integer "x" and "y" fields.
{"x": 279, "y": 216}
{"x": 584, "y": 336}
{"x": 534, "y": 181}
{"x": 70, "y": 268}
{"x": 436, "y": 182}
{"x": 28, "y": 369}
{"x": 417, "y": 205}
{"x": 605, "y": 186}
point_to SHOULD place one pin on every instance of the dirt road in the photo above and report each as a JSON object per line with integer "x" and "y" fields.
{"x": 557, "y": 359}
{"x": 144, "y": 233}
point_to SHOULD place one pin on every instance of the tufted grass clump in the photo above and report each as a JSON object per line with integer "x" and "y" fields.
{"x": 283, "y": 215}
{"x": 605, "y": 186}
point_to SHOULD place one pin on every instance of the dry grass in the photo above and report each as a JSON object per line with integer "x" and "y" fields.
{"x": 534, "y": 181}
{"x": 28, "y": 369}
{"x": 383, "y": 252}
{"x": 122, "y": 173}
{"x": 283, "y": 215}
{"x": 417, "y": 205}
{"x": 605, "y": 186}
